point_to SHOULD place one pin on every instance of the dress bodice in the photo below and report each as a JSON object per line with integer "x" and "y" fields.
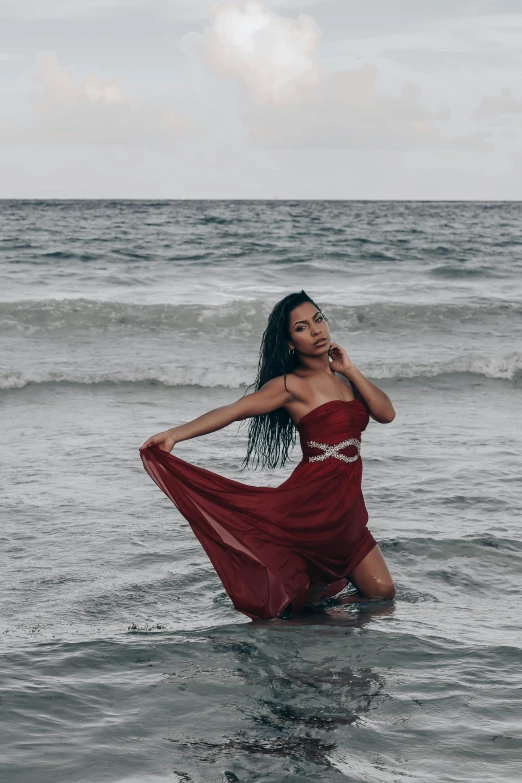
{"x": 337, "y": 424}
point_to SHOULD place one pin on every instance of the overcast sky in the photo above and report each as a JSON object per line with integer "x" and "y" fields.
{"x": 372, "y": 99}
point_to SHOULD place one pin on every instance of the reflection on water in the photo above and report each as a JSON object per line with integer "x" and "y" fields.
{"x": 289, "y": 705}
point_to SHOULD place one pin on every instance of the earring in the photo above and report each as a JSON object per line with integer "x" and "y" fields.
{"x": 291, "y": 351}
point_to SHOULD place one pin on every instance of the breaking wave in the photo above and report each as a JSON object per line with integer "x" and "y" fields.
{"x": 507, "y": 368}
{"x": 56, "y": 315}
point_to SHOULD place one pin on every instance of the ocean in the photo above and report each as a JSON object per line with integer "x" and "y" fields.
{"x": 122, "y": 657}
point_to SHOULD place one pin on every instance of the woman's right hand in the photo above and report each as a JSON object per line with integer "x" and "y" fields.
{"x": 165, "y": 440}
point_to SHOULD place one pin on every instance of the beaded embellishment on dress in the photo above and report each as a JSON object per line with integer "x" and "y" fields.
{"x": 333, "y": 450}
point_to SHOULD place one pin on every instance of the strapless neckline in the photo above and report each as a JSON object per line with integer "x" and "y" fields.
{"x": 323, "y": 405}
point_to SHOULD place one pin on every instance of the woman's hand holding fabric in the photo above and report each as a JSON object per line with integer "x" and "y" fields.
{"x": 165, "y": 440}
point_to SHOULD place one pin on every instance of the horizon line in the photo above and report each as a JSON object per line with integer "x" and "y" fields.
{"x": 272, "y": 199}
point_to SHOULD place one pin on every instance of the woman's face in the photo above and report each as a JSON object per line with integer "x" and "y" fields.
{"x": 307, "y": 325}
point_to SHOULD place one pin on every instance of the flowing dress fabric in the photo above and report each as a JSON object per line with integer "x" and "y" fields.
{"x": 268, "y": 544}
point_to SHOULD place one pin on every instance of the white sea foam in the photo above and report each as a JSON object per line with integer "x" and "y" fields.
{"x": 506, "y": 368}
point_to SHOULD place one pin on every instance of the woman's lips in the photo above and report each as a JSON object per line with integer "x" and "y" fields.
{"x": 321, "y": 341}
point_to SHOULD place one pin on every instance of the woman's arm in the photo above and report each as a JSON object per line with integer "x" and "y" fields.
{"x": 378, "y": 403}
{"x": 271, "y": 395}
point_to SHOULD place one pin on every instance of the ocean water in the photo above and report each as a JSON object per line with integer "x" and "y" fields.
{"x": 122, "y": 658}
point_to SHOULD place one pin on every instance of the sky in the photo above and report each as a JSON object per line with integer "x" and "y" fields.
{"x": 246, "y": 99}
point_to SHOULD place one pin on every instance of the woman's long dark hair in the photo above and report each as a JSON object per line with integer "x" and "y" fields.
{"x": 270, "y": 435}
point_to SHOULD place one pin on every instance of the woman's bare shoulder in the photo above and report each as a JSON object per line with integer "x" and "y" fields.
{"x": 295, "y": 385}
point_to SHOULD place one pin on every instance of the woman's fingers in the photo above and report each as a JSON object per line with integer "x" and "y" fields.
{"x": 163, "y": 439}
{"x": 156, "y": 441}
{"x": 337, "y": 350}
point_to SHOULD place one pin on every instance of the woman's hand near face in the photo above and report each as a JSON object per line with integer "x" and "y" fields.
{"x": 341, "y": 362}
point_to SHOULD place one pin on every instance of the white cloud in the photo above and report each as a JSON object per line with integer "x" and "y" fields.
{"x": 92, "y": 110}
{"x": 274, "y": 57}
{"x": 296, "y": 103}
{"x": 351, "y": 112}
{"x": 62, "y": 88}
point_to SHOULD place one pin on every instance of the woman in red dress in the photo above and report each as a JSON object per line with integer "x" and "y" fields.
{"x": 277, "y": 549}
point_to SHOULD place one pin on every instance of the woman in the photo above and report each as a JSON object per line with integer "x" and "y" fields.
{"x": 279, "y": 548}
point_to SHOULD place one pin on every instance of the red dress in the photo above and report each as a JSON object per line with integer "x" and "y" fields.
{"x": 268, "y": 544}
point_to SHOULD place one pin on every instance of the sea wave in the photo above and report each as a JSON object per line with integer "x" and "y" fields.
{"x": 184, "y": 376}
{"x": 506, "y": 368}
{"x": 250, "y": 316}
{"x": 465, "y": 272}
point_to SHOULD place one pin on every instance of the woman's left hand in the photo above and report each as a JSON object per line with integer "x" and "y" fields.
{"x": 341, "y": 362}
